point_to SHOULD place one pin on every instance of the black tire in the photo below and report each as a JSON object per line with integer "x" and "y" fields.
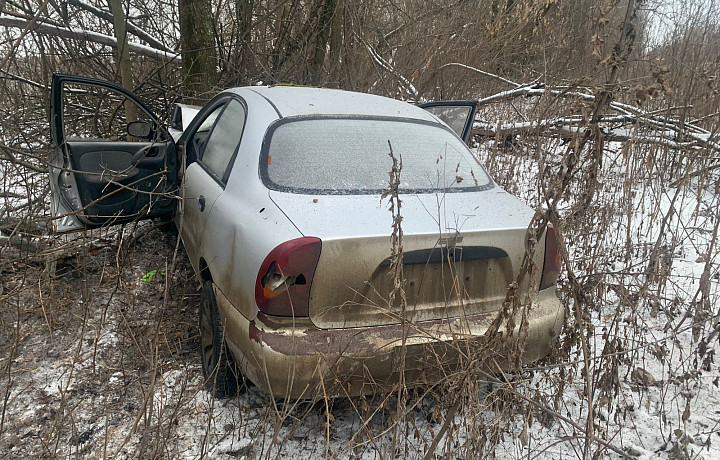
{"x": 222, "y": 377}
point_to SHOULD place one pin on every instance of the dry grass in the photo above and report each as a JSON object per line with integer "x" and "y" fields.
{"x": 98, "y": 363}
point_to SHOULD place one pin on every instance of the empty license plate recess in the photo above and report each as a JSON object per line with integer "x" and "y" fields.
{"x": 442, "y": 356}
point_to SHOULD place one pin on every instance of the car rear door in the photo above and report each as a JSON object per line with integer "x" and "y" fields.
{"x": 458, "y": 115}
{"x": 100, "y": 174}
{"x": 210, "y": 142}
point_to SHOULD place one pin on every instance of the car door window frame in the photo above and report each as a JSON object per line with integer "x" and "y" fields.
{"x": 472, "y": 104}
{"x": 219, "y": 105}
{"x": 222, "y": 102}
{"x": 57, "y": 127}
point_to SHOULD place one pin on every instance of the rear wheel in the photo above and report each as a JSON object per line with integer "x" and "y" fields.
{"x": 222, "y": 378}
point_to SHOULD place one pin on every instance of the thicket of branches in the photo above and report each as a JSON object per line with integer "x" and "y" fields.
{"x": 603, "y": 114}
{"x": 415, "y": 50}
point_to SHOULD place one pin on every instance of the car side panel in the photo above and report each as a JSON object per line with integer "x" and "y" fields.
{"x": 244, "y": 225}
{"x": 200, "y": 191}
{"x": 238, "y": 236}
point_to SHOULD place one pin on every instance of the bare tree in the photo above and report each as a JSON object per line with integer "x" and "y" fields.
{"x": 198, "y": 47}
{"x": 124, "y": 64}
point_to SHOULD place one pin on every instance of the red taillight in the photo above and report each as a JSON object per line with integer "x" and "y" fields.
{"x": 283, "y": 283}
{"x": 551, "y": 267}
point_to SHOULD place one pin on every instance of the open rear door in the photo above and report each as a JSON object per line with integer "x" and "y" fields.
{"x": 458, "y": 115}
{"x": 112, "y": 161}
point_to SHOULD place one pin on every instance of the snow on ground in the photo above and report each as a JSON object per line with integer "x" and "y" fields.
{"x": 675, "y": 414}
{"x": 98, "y": 363}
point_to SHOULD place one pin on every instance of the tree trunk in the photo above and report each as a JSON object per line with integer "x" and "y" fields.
{"x": 336, "y": 42}
{"x": 325, "y": 13}
{"x": 243, "y": 12}
{"x": 124, "y": 65}
{"x": 198, "y": 48}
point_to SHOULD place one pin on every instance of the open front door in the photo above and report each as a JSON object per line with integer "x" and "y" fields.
{"x": 112, "y": 161}
{"x": 458, "y": 115}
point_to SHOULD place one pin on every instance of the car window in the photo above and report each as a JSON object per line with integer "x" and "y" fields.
{"x": 196, "y": 143}
{"x": 224, "y": 139}
{"x": 351, "y": 155}
{"x": 94, "y": 113}
{"x": 455, "y": 116}
{"x": 209, "y": 121}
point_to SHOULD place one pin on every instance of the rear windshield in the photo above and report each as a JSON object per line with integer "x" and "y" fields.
{"x": 351, "y": 156}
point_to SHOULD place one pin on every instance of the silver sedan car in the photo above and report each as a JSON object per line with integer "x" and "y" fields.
{"x": 277, "y": 196}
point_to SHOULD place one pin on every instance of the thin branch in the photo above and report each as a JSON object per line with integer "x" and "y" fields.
{"x": 8, "y": 154}
{"x": 481, "y": 72}
{"x": 706, "y": 117}
{"x": 141, "y": 34}
{"x": 409, "y": 87}
{"x": 695, "y": 174}
{"x": 10, "y": 76}
{"x": 86, "y": 35}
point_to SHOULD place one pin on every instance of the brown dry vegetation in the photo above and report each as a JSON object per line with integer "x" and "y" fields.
{"x": 97, "y": 363}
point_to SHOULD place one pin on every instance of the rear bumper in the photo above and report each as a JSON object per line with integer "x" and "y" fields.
{"x": 292, "y": 358}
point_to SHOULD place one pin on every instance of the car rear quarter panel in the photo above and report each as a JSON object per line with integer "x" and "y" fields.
{"x": 244, "y": 225}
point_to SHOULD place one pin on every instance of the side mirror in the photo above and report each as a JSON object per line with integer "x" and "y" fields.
{"x": 140, "y": 129}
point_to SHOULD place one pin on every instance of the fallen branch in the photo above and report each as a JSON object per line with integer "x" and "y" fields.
{"x": 627, "y": 123}
{"x": 85, "y": 35}
{"x": 138, "y": 32}
{"x": 567, "y": 128}
{"x": 8, "y": 154}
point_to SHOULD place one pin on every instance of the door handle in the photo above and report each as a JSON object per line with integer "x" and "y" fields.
{"x": 201, "y": 203}
{"x": 149, "y": 157}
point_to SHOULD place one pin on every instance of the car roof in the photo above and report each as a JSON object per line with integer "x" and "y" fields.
{"x": 291, "y": 101}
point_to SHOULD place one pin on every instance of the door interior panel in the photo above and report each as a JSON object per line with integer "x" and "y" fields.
{"x": 107, "y": 166}
{"x": 117, "y": 180}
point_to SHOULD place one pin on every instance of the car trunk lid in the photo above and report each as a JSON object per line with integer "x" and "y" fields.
{"x": 460, "y": 253}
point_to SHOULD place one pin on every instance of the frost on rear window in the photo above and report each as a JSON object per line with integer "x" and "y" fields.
{"x": 331, "y": 155}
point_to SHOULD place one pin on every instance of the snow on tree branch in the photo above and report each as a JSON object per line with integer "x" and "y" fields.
{"x": 81, "y": 34}
{"x": 133, "y": 29}
{"x": 627, "y": 123}
{"x": 407, "y": 85}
